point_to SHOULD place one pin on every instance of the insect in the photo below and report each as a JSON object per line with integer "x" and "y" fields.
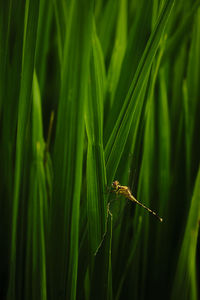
{"x": 125, "y": 191}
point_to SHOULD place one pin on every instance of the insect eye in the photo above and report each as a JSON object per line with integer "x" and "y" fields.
{"x": 115, "y": 184}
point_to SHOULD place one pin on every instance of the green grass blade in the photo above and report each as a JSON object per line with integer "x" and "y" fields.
{"x": 182, "y": 32}
{"x": 164, "y": 147}
{"x": 61, "y": 10}
{"x": 120, "y": 132}
{"x": 191, "y": 95}
{"x": 107, "y": 24}
{"x": 43, "y": 41}
{"x": 96, "y": 176}
{"x": 37, "y": 115}
{"x": 35, "y": 280}
{"x": 186, "y": 272}
{"x": 134, "y": 50}
{"x": 68, "y": 155}
{"x": 29, "y": 44}
{"x": 118, "y": 50}
{"x": 145, "y": 188}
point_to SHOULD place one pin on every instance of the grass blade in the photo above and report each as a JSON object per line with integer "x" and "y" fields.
{"x": 35, "y": 280}
{"x": 96, "y": 176}
{"x": 120, "y": 132}
{"x": 29, "y": 44}
{"x": 186, "y": 271}
{"x": 68, "y": 157}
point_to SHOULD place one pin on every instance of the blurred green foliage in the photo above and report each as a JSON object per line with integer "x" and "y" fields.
{"x": 92, "y": 91}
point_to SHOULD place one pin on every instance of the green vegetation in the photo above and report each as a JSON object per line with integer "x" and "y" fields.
{"x": 92, "y": 91}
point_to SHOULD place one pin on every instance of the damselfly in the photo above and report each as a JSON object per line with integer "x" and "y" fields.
{"x": 125, "y": 191}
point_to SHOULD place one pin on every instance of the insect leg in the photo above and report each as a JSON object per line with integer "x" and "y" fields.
{"x": 103, "y": 237}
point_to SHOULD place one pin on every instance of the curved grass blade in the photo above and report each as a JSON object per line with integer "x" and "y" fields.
{"x": 186, "y": 272}
{"x": 116, "y": 143}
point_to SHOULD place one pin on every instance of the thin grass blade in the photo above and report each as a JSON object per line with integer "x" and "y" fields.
{"x": 29, "y": 44}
